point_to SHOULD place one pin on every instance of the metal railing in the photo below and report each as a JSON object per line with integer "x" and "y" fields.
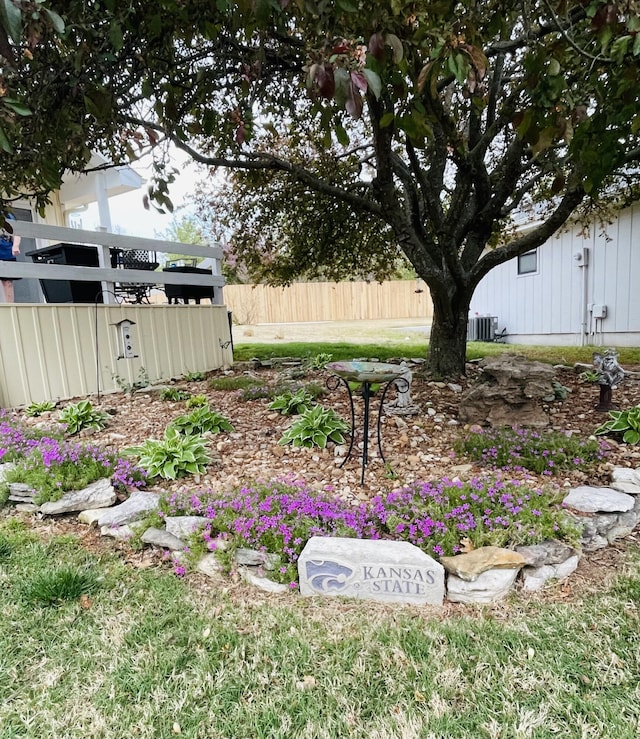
{"x": 106, "y": 274}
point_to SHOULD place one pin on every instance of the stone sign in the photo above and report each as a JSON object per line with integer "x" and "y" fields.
{"x": 387, "y": 571}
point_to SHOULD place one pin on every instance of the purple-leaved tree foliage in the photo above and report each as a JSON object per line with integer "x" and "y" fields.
{"x": 373, "y": 128}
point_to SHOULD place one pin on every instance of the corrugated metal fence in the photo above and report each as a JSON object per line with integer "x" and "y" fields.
{"x": 328, "y": 301}
{"x": 48, "y": 352}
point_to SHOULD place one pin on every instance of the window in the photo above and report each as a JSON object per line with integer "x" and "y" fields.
{"x": 528, "y": 262}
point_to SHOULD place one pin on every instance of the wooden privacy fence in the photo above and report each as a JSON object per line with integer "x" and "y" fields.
{"x": 328, "y": 301}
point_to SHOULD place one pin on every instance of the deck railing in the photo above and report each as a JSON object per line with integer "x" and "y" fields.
{"x": 105, "y": 242}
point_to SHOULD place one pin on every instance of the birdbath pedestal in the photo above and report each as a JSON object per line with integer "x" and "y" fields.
{"x": 366, "y": 374}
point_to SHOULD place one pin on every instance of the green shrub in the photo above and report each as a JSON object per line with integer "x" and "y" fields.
{"x": 141, "y": 381}
{"x": 626, "y": 423}
{"x": 257, "y": 392}
{"x": 315, "y": 390}
{"x": 292, "y": 403}
{"x": 83, "y": 415}
{"x": 53, "y": 587}
{"x": 176, "y": 455}
{"x": 315, "y": 427}
{"x": 590, "y": 375}
{"x": 37, "y": 409}
{"x": 174, "y": 393}
{"x": 202, "y": 420}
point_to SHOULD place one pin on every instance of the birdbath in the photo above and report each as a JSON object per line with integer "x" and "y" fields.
{"x": 365, "y": 374}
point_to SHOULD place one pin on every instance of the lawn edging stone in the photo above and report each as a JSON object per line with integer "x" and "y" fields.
{"x": 98, "y": 495}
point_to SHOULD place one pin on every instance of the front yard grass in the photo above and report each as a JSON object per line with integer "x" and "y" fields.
{"x": 146, "y": 654}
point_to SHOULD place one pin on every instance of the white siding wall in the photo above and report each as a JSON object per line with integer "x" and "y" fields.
{"x": 551, "y": 305}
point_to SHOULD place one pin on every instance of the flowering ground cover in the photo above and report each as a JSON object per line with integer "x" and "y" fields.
{"x": 441, "y": 518}
{"x": 544, "y": 452}
{"x": 52, "y": 466}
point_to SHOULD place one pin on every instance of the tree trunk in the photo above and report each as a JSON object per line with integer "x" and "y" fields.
{"x": 448, "y": 342}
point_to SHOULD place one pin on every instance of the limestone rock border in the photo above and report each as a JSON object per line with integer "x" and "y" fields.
{"x": 484, "y": 576}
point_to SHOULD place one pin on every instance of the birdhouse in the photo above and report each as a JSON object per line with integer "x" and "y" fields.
{"x": 125, "y": 338}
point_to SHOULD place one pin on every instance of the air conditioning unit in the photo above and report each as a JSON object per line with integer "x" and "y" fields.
{"x": 482, "y": 328}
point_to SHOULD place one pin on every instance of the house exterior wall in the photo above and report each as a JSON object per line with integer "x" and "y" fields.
{"x": 577, "y": 272}
{"x": 48, "y": 352}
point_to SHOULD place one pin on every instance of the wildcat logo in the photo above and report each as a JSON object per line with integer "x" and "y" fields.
{"x": 328, "y": 576}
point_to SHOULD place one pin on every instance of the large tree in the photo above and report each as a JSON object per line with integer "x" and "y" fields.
{"x": 461, "y": 114}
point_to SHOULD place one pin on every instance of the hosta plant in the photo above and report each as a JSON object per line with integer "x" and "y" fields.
{"x": 626, "y": 423}
{"x": 37, "y": 409}
{"x": 177, "y": 455}
{"x": 195, "y": 401}
{"x": 194, "y": 376}
{"x": 292, "y": 403}
{"x": 315, "y": 427}
{"x": 174, "y": 393}
{"x": 83, "y": 415}
{"x": 320, "y": 361}
{"x": 202, "y": 420}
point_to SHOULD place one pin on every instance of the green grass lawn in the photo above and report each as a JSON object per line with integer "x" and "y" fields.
{"x": 568, "y": 355}
{"x": 145, "y": 654}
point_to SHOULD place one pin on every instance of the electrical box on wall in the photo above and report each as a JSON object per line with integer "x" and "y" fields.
{"x": 599, "y": 311}
{"x": 582, "y": 257}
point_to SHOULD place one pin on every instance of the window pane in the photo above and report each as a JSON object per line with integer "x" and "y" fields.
{"x": 528, "y": 262}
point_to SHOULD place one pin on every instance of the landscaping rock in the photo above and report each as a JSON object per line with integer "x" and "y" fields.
{"x": 136, "y": 507}
{"x": 547, "y": 553}
{"x": 21, "y": 493}
{"x": 184, "y": 526}
{"x": 630, "y": 488}
{"x": 535, "y": 578}
{"x": 588, "y": 499}
{"x": 121, "y": 533}
{"x": 489, "y": 587}
{"x": 162, "y": 538}
{"x": 387, "y": 571}
{"x": 625, "y": 474}
{"x": 508, "y": 392}
{"x": 600, "y": 530}
{"x": 91, "y": 516}
{"x": 254, "y": 558}
{"x": 269, "y": 586}
{"x": 210, "y": 566}
{"x": 470, "y": 565}
{"x": 99, "y": 494}
{"x": 27, "y": 507}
